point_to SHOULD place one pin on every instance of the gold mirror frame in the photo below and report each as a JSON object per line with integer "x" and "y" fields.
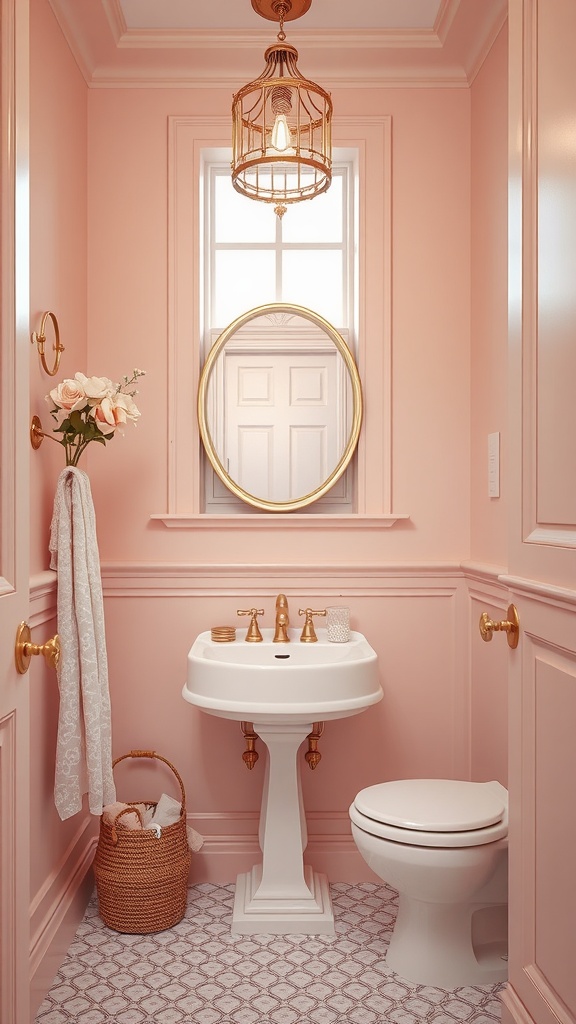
{"x": 357, "y": 407}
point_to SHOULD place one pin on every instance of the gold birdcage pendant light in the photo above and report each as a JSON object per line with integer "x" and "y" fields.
{"x": 281, "y": 124}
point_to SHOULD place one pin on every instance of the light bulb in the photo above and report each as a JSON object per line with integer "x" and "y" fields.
{"x": 280, "y": 137}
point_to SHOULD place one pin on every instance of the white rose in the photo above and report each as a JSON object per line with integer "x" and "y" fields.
{"x": 125, "y": 408}
{"x": 96, "y": 388}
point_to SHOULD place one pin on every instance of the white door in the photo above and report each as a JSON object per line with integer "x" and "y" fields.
{"x": 542, "y": 456}
{"x": 14, "y": 535}
{"x": 283, "y": 436}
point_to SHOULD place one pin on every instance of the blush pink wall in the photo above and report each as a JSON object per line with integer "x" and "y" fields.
{"x": 489, "y": 401}
{"x": 58, "y": 217}
{"x": 58, "y": 241}
{"x": 489, "y": 300}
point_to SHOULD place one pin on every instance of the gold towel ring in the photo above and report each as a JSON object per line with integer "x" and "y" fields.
{"x": 40, "y": 339}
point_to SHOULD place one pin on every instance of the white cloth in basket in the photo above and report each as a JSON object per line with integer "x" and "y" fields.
{"x": 167, "y": 812}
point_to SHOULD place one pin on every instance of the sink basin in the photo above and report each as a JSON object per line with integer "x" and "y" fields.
{"x": 292, "y": 682}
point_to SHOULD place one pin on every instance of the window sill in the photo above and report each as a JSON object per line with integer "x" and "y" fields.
{"x": 273, "y": 520}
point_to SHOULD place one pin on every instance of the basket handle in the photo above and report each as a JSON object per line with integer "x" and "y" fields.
{"x": 131, "y": 809}
{"x": 158, "y": 757}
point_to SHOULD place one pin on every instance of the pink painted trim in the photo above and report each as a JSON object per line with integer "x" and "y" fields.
{"x": 178, "y": 521}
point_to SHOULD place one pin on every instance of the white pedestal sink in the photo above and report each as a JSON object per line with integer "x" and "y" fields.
{"x": 282, "y": 689}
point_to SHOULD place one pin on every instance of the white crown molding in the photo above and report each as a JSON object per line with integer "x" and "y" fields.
{"x": 110, "y": 55}
{"x": 331, "y": 38}
{"x": 241, "y": 39}
{"x": 111, "y": 79}
{"x": 445, "y": 17}
{"x": 478, "y": 55}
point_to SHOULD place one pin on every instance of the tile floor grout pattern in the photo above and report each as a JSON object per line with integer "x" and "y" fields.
{"x": 198, "y": 973}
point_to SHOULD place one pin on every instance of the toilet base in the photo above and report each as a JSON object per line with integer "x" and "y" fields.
{"x": 443, "y": 945}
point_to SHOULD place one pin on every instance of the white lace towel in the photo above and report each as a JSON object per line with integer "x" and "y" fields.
{"x": 84, "y": 746}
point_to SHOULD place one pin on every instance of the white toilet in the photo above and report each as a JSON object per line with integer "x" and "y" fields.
{"x": 443, "y": 845}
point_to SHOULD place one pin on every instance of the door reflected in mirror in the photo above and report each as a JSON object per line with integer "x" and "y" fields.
{"x": 280, "y": 407}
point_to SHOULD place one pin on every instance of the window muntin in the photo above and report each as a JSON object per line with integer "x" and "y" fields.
{"x": 251, "y": 257}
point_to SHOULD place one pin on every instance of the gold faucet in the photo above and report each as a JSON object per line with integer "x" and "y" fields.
{"x": 308, "y": 632}
{"x": 253, "y": 635}
{"x": 282, "y": 620}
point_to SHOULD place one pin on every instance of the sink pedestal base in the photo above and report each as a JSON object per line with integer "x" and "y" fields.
{"x": 282, "y": 895}
{"x": 254, "y": 915}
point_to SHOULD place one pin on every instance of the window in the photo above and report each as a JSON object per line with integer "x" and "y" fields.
{"x": 252, "y": 257}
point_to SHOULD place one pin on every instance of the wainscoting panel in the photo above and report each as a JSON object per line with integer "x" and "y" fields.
{"x": 415, "y": 617}
{"x": 61, "y": 852}
{"x": 8, "y": 810}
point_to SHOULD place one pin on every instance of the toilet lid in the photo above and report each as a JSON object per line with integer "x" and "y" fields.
{"x": 433, "y": 805}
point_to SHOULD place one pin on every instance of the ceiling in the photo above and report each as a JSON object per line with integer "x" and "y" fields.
{"x": 219, "y": 43}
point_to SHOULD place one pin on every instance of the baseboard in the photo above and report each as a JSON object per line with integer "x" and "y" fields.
{"x": 57, "y": 910}
{"x": 231, "y": 847}
{"x": 513, "y": 1009}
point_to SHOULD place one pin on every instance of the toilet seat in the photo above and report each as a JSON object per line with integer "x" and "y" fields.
{"x": 433, "y": 812}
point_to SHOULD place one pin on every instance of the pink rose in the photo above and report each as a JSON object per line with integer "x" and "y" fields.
{"x": 69, "y": 395}
{"x": 104, "y": 416}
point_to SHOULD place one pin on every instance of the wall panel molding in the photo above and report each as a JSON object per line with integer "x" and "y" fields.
{"x": 170, "y": 579}
{"x": 43, "y": 590}
{"x": 58, "y": 907}
{"x": 535, "y": 589}
{"x": 8, "y": 810}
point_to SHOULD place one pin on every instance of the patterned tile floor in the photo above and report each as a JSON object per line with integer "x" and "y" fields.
{"x": 198, "y": 973}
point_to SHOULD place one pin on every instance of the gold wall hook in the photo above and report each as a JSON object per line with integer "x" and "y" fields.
{"x": 25, "y": 649}
{"x": 510, "y": 626}
{"x": 39, "y": 339}
{"x": 37, "y": 435}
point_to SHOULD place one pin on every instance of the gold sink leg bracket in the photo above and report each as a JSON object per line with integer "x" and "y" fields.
{"x": 250, "y": 755}
{"x": 510, "y": 626}
{"x": 24, "y": 649}
{"x": 313, "y": 755}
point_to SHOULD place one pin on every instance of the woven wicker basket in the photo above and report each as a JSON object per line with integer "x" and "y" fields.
{"x": 142, "y": 879}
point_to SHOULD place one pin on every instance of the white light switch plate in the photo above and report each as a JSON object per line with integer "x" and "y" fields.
{"x": 494, "y": 465}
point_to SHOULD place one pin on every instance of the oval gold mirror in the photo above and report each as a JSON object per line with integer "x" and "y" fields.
{"x": 279, "y": 407}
